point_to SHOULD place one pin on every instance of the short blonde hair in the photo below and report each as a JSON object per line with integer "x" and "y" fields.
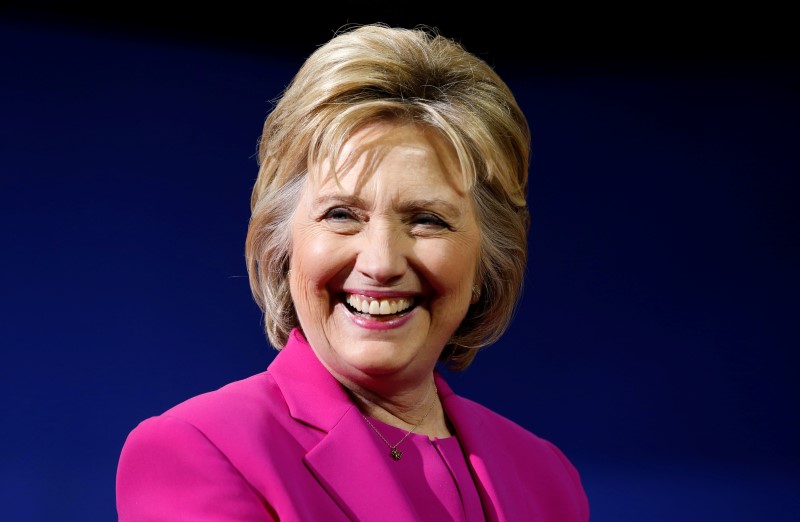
{"x": 371, "y": 73}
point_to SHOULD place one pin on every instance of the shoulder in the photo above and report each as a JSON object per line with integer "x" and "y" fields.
{"x": 232, "y": 418}
{"x": 504, "y": 448}
{"x": 197, "y": 457}
{"x": 511, "y": 436}
{"x": 243, "y": 400}
{"x": 492, "y": 421}
{"x": 183, "y": 463}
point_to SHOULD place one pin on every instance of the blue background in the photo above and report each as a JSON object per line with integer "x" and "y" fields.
{"x": 656, "y": 340}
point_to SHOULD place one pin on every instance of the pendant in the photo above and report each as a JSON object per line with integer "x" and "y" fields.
{"x": 395, "y": 453}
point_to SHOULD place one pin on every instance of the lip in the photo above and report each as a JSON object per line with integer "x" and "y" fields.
{"x": 378, "y": 294}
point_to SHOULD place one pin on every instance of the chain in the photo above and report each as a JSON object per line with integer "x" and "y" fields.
{"x": 395, "y": 453}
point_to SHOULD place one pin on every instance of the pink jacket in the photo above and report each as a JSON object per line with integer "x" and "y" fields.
{"x": 289, "y": 444}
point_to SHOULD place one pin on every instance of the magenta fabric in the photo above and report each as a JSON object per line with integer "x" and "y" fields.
{"x": 449, "y": 491}
{"x": 289, "y": 444}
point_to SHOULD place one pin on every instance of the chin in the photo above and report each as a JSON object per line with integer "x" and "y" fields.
{"x": 376, "y": 357}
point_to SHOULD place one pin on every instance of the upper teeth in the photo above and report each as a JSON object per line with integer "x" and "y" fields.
{"x": 378, "y": 306}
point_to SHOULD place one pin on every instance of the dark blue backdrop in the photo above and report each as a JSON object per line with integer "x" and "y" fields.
{"x": 655, "y": 344}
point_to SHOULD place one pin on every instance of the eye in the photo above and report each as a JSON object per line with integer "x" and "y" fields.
{"x": 429, "y": 220}
{"x": 338, "y": 214}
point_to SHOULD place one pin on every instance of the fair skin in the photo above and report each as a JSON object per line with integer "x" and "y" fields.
{"x": 382, "y": 269}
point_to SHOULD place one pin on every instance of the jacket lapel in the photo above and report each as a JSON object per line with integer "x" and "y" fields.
{"x": 350, "y": 461}
{"x": 482, "y": 454}
{"x": 354, "y": 465}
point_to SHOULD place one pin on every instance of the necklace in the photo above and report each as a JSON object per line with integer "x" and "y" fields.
{"x": 395, "y": 453}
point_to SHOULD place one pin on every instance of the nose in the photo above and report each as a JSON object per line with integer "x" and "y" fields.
{"x": 383, "y": 253}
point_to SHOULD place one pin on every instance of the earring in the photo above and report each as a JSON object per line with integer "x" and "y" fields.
{"x": 476, "y": 294}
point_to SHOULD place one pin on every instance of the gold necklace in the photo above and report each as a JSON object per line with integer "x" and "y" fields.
{"x": 395, "y": 453}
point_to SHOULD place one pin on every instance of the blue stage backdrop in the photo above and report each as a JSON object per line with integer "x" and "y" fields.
{"x": 655, "y": 343}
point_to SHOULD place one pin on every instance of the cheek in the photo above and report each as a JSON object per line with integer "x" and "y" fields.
{"x": 452, "y": 266}
{"x": 311, "y": 270}
{"x": 316, "y": 260}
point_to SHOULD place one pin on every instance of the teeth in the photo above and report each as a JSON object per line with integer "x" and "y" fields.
{"x": 378, "y": 306}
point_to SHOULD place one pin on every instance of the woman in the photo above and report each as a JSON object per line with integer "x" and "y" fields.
{"x": 388, "y": 235}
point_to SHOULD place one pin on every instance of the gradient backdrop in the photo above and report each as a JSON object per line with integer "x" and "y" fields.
{"x": 656, "y": 340}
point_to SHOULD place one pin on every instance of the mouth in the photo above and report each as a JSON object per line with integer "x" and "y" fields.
{"x": 387, "y": 307}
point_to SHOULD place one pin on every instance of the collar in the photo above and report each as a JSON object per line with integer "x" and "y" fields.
{"x": 349, "y": 461}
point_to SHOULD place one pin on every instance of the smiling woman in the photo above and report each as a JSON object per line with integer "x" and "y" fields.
{"x": 388, "y": 235}
{"x": 395, "y": 231}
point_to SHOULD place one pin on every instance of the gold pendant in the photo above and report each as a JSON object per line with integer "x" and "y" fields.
{"x": 395, "y": 453}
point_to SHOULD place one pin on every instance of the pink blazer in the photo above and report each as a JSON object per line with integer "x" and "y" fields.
{"x": 289, "y": 444}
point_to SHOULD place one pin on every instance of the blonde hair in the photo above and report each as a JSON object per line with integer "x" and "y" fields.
{"x": 373, "y": 73}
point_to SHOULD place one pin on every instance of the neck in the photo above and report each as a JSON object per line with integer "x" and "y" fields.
{"x": 419, "y": 409}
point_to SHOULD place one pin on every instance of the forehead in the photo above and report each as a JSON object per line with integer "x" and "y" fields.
{"x": 407, "y": 153}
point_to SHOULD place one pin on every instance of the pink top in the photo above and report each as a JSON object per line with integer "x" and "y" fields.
{"x": 448, "y": 491}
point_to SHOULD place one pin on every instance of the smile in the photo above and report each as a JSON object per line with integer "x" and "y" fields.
{"x": 372, "y": 306}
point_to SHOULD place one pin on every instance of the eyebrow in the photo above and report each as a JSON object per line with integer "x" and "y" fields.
{"x": 433, "y": 203}
{"x": 407, "y": 206}
{"x": 343, "y": 199}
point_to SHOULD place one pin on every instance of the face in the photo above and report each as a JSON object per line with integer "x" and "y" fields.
{"x": 383, "y": 262}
